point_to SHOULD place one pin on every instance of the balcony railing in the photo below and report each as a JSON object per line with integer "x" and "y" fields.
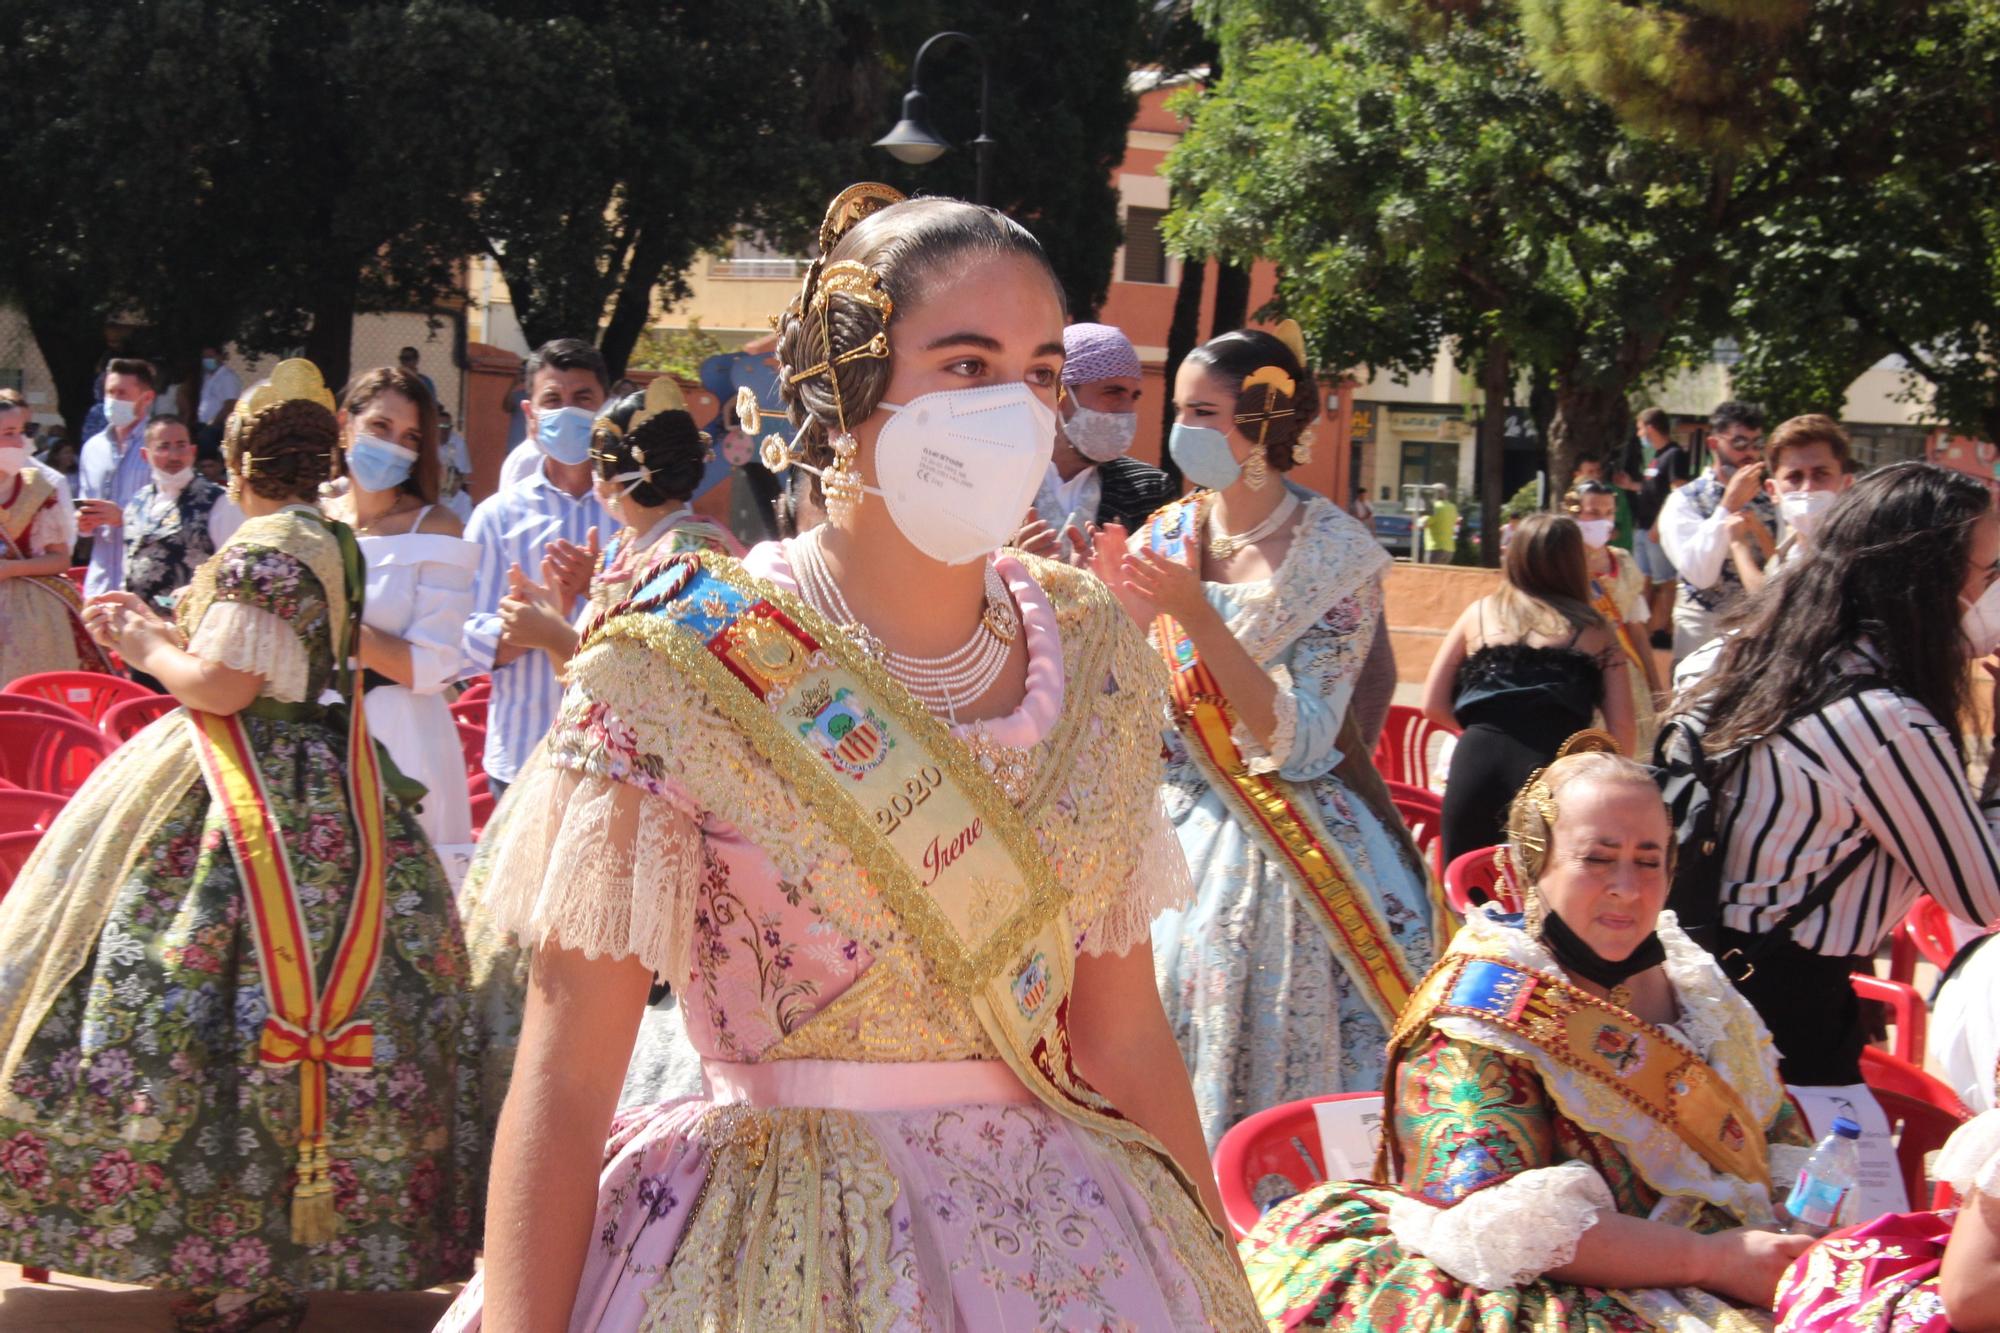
{"x": 768, "y": 270}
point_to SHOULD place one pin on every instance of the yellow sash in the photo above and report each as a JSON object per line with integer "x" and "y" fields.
{"x": 308, "y": 1025}
{"x": 1644, "y": 1066}
{"x": 1283, "y": 820}
{"x": 950, "y": 854}
{"x": 30, "y": 494}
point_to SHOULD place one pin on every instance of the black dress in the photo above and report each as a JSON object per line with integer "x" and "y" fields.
{"x": 1517, "y": 705}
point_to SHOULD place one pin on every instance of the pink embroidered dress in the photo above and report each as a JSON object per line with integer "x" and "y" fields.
{"x": 864, "y": 1160}
{"x": 1883, "y": 1276}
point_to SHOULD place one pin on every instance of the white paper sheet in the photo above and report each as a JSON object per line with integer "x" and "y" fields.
{"x": 1350, "y": 1131}
{"x": 1880, "y": 1188}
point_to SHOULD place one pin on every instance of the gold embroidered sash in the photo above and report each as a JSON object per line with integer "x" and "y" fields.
{"x": 31, "y": 492}
{"x": 309, "y": 1025}
{"x": 950, "y": 854}
{"x": 1644, "y": 1066}
{"x": 1279, "y": 816}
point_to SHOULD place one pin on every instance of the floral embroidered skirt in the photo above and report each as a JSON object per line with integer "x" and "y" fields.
{"x": 141, "y": 1140}
{"x": 1880, "y": 1277}
{"x": 1326, "y": 1259}
{"x": 1000, "y": 1218}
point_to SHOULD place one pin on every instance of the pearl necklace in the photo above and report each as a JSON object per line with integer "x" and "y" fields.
{"x": 940, "y": 683}
{"x": 1222, "y": 545}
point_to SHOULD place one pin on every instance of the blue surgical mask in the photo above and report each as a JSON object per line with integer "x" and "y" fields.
{"x": 209, "y": 364}
{"x": 1203, "y": 456}
{"x": 120, "y": 413}
{"x": 563, "y": 433}
{"x": 378, "y": 464}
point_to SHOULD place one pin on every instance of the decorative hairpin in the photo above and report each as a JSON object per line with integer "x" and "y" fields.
{"x": 850, "y": 206}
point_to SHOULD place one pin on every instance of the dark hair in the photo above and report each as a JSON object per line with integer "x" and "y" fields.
{"x": 1732, "y": 413}
{"x": 1886, "y": 565}
{"x": 165, "y": 419}
{"x": 907, "y": 246}
{"x": 1233, "y": 358}
{"x": 1547, "y": 569}
{"x": 425, "y": 477}
{"x": 1573, "y": 499}
{"x": 288, "y": 449}
{"x": 565, "y": 354}
{"x": 407, "y": 354}
{"x": 137, "y": 369}
{"x": 1812, "y": 428}
{"x": 667, "y": 444}
{"x": 1656, "y": 419}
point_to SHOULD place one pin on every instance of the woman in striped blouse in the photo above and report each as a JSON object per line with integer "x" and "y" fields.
{"x": 1844, "y": 687}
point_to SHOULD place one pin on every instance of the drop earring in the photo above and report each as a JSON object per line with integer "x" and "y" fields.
{"x": 1256, "y": 472}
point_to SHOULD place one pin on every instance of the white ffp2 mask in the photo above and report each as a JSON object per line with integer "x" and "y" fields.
{"x": 1981, "y": 621}
{"x": 958, "y": 468}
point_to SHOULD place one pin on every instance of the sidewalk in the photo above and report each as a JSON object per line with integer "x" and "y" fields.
{"x": 79, "y": 1305}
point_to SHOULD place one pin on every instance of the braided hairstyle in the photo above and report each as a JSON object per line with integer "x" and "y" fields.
{"x": 286, "y": 451}
{"x": 1234, "y": 357}
{"x": 665, "y": 444}
{"x": 906, "y": 246}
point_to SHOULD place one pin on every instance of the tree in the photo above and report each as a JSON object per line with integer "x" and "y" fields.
{"x": 251, "y": 172}
{"x": 1416, "y": 185}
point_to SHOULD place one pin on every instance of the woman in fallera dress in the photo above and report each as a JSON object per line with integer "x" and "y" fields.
{"x": 1585, "y": 1119}
{"x": 877, "y": 803}
{"x": 1313, "y": 916}
{"x": 238, "y": 1056}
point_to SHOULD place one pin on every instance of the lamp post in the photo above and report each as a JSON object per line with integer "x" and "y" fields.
{"x": 914, "y": 141}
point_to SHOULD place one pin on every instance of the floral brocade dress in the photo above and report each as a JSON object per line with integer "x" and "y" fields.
{"x": 863, "y": 1158}
{"x": 1508, "y": 1154}
{"x": 1263, "y": 1007}
{"x": 142, "y": 1139}
{"x": 1883, "y": 1276}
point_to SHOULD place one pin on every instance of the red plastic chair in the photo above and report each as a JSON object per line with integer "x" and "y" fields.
{"x": 21, "y": 810}
{"x": 75, "y": 574}
{"x": 1927, "y": 930}
{"x": 1477, "y": 876}
{"x": 472, "y": 746}
{"x": 1922, "y": 1111}
{"x": 122, "y": 721}
{"x": 15, "y": 848}
{"x": 482, "y": 805}
{"x": 1413, "y": 749}
{"x": 47, "y": 753}
{"x": 40, "y": 707}
{"x": 1280, "y": 1141}
{"x": 89, "y": 693}
{"x": 478, "y": 687}
{"x": 1906, "y": 1009}
{"x": 470, "y": 710}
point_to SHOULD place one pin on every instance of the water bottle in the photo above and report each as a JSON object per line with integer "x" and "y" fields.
{"x": 1825, "y": 1181}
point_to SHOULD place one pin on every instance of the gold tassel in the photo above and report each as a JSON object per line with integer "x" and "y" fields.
{"x": 314, "y": 1221}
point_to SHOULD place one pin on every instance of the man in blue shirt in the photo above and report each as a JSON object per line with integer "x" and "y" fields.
{"x": 514, "y": 528}
{"x": 112, "y": 470}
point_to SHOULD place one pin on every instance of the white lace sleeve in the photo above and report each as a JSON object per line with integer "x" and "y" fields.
{"x": 1970, "y": 1158}
{"x": 1509, "y": 1233}
{"x": 248, "y": 638}
{"x": 1159, "y": 880}
{"x": 1270, "y": 758}
{"x": 597, "y": 865}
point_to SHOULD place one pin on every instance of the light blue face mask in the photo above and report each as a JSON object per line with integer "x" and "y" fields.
{"x": 563, "y": 433}
{"x": 1202, "y": 454}
{"x": 377, "y": 464}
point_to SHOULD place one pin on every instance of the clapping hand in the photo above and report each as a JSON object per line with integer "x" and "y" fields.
{"x": 1166, "y": 585}
{"x": 535, "y": 615}
{"x": 1111, "y": 563}
{"x": 568, "y": 568}
{"x": 122, "y": 622}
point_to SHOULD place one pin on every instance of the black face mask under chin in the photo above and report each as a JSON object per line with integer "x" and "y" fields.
{"x": 1580, "y": 959}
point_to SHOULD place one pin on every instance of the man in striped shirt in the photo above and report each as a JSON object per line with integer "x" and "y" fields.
{"x": 514, "y": 528}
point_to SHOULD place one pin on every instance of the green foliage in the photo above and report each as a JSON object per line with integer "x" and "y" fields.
{"x": 1522, "y": 503}
{"x": 677, "y": 351}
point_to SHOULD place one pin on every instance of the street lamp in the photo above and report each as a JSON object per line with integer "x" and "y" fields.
{"x": 914, "y": 141}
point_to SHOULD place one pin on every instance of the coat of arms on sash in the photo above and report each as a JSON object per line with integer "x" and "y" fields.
{"x": 846, "y": 732}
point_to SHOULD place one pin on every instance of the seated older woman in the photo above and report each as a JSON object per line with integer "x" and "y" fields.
{"x": 1581, "y": 1111}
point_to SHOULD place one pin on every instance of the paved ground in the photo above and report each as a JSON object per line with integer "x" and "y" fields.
{"x": 79, "y": 1305}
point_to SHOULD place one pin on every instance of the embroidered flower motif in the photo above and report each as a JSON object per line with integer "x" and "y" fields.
{"x": 25, "y": 1159}
{"x": 115, "y": 1176}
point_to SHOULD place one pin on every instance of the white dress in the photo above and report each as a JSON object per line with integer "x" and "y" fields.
{"x": 420, "y": 590}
